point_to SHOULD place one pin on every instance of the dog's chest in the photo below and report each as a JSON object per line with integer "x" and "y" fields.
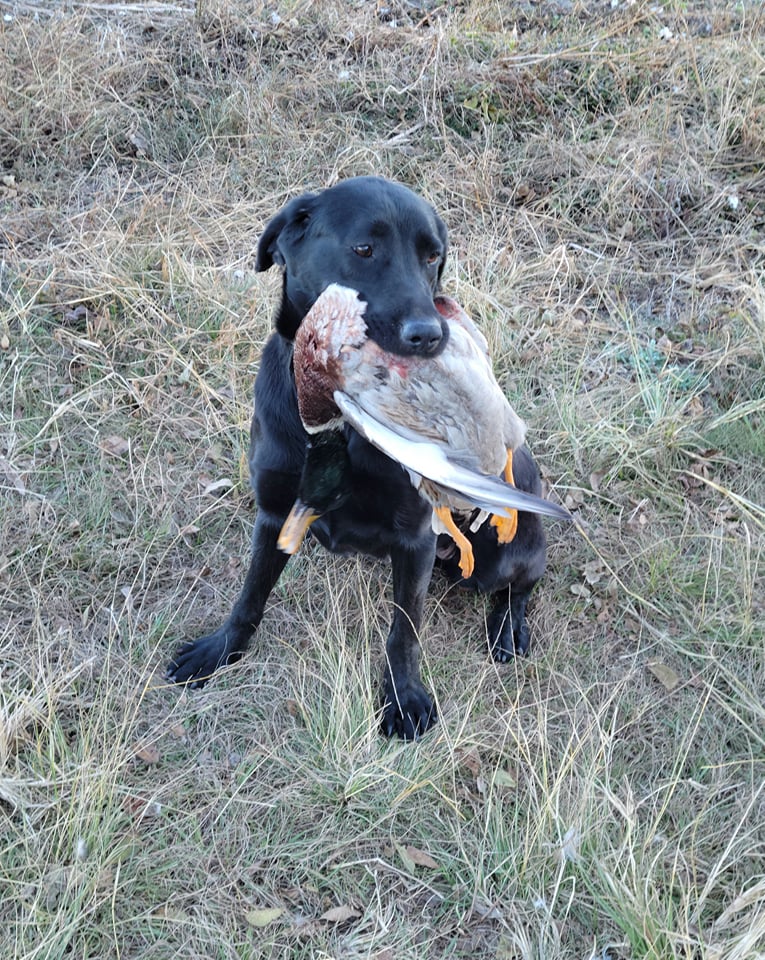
{"x": 378, "y": 516}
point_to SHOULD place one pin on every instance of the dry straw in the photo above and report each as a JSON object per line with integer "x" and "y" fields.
{"x": 600, "y": 167}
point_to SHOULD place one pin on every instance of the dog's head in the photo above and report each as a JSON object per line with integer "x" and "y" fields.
{"x": 374, "y": 236}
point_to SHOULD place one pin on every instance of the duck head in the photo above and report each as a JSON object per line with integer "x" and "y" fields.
{"x": 325, "y": 484}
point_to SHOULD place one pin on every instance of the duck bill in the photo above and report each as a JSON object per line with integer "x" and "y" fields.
{"x": 294, "y": 529}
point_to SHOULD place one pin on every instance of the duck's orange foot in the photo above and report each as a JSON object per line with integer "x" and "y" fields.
{"x": 506, "y": 526}
{"x": 467, "y": 561}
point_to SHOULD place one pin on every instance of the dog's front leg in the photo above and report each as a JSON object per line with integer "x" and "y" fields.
{"x": 196, "y": 661}
{"x": 408, "y": 709}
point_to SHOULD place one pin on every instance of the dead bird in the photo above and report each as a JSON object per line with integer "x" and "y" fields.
{"x": 444, "y": 418}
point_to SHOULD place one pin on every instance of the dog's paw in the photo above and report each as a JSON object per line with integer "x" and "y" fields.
{"x": 195, "y": 662}
{"x": 408, "y": 712}
{"x": 504, "y": 641}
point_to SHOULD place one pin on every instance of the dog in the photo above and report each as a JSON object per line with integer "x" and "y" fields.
{"x": 379, "y": 238}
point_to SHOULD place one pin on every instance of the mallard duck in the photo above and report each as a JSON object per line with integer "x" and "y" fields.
{"x": 444, "y": 419}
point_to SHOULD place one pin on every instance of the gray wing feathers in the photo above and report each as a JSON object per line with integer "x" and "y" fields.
{"x": 429, "y": 460}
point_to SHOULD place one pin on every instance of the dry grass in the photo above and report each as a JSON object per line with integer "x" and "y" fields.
{"x": 601, "y": 172}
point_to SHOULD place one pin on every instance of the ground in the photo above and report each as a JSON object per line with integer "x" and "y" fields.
{"x": 601, "y": 169}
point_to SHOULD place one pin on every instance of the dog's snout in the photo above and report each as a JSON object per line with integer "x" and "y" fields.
{"x": 421, "y": 335}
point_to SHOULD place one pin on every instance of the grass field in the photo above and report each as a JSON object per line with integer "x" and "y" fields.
{"x": 601, "y": 168}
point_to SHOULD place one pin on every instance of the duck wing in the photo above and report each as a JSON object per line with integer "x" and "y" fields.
{"x": 429, "y": 460}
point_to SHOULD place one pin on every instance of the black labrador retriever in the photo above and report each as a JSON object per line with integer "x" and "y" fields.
{"x": 382, "y": 240}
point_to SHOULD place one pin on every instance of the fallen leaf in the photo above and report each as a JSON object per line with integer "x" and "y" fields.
{"x": 404, "y": 857}
{"x": 149, "y": 754}
{"x": 12, "y": 476}
{"x": 340, "y": 914}
{"x": 218, "y": 487}
{"x": 594, "y": 570}
{"x": 484, "y": 910}
{"x": 105, "y": 879}
{"x": 421, "y": 858}
{"x": 664, "y": 674}
{"x": 263, "y": 916}
{"x": 169, "y": 912}
{"x": 125, "y": 850}
{"x": 140, "y": 143}
{"x": 505, "y": 778}
{"x": 140, "y": 807}
{"x": 569, "y": 848}
{"x": 54, "y": 885}
{"x": 605, "y": 614}
{"x": 507, "y": 949}
{"x": 524, "y": 193}
{"x": 471, "y": 759}
{"x": 580, "y": 590}
{"x": 665, "y": 345}
{"x": 115, "y": 446}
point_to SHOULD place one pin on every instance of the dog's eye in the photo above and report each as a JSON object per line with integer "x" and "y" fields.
{"x": 433, "y": 258}
{"x": 363, "y": 250}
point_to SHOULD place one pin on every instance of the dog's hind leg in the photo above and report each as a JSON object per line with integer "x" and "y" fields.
{"x": 408, "y": 709}
{"x": 507, "y": 629}
{"x": 196, "y": 661}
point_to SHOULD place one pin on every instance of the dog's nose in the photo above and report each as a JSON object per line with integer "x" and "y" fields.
{"x": 421, "y": 335}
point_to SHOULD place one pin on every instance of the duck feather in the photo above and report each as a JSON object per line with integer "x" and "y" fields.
{"x": 456, "y": 475}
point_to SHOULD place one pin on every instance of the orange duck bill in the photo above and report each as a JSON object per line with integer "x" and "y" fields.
{"x": 295, "y": 527}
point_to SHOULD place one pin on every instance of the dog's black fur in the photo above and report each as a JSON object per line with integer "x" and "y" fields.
{"x": 380, "y": 239}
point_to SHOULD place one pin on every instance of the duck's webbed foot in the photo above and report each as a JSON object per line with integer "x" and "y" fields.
{"x": 506, "y": 526}
{"x": 467, "y": 561}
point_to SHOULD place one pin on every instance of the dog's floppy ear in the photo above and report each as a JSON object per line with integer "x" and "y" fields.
{"x": 286, "y": 228}
{"x": 443, "y": 236}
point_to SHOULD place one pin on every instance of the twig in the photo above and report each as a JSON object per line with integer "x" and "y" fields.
{"x": 50, "y": 9}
